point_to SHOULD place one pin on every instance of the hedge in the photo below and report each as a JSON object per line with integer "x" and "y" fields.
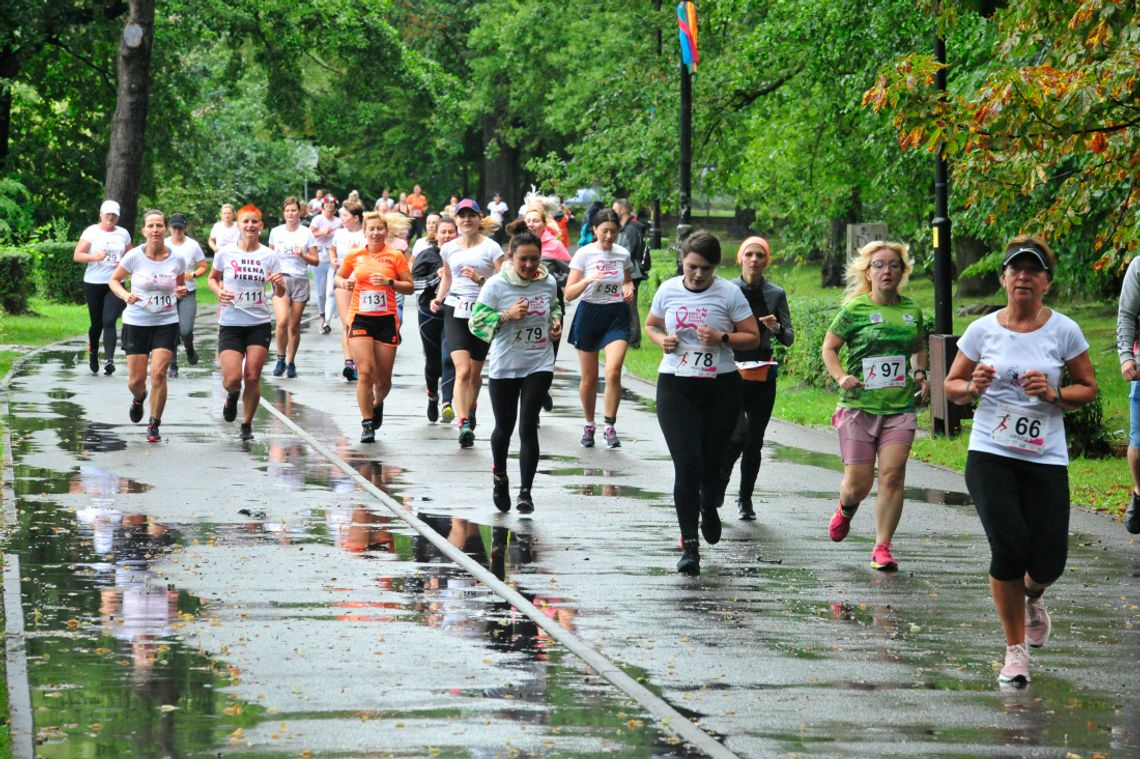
{"x": 17, "y": 280}
{"x": 60, "y": 279}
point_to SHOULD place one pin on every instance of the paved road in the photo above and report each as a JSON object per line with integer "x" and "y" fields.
{"x": 192, "y": 597}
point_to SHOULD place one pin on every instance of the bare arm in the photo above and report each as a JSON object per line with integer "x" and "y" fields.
{"x": 830, "y": 352}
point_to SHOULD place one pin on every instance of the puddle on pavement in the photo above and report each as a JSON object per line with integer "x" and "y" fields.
{"x": 623, "y": 491}
{"x": 919, "y": 495}
{"x": 588, "y": 471}
{"x": 111, "y": 674}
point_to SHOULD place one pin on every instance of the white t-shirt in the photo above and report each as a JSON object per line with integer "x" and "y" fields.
{"x": 154, "y": 282}
{"x": 464, "y": 291}
{"x": 613, "y": 263}
{"x": 323, "y": 230}
{"x": 225, "y": 236}
{"x": 191, "y": 253}
{"x": 114, "y": 243}
{"x": 245, "y": 274}
{"x": 521, "y": 347}
{"x": 420, "y": 245}
{"x": 497, "y": 210}
{"x": 719, "y": 306}
{"x": 1006, "y": 422}
{"x": 345, "y": 242}
{"x": 289, "y": 245}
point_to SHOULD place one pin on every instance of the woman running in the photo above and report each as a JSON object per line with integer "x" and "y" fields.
{"x": 517, "y": 312}
{"x": 1011, "y": 364}
{"x": 769, "y": 305}
{"x": 238, "y": 278}
{"x": 439, "y": 371}
{"x": 101, "y": 247}
{"x": 194, "y": 261}
{"x": 884, "y": 333}
{"x": 698, "y": 319}
{"x": 374, "y": 274}
{"x": 225, "y": 231}
{"x": 348, "y": 238}
{"x": 468, "y": 261}
{"x": 296, "y": 250}
{"x": 555, "y": 258}
{"x": 150, "y": 320}
{"x": 601, "y": 274}
{"x": 323, "y": 226}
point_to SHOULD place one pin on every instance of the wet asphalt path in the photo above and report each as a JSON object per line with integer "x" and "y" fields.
{"x": 192, "y": 597}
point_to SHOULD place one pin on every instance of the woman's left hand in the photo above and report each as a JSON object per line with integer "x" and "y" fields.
{"x": 708, "y": 335}
{"x": 181, "y": 291}
{"x": 555, "y": 329}
{"x": 770, "y": 322}
{"x": 924, "y": 390}
{"x": 1035, "y": 383}
{"x": 627, "y": 292}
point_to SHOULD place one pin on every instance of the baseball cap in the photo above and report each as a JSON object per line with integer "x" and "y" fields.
{"x": 109, "y": 206}
{"x": 178, "y": 220}
{"x": 1027, "y": 249}
{"x": 467, "y": 204}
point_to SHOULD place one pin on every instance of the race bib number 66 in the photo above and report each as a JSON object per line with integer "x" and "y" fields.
{"x": 1017, "y": 428}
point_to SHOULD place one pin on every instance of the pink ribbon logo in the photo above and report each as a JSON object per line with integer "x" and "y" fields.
{"x": 682, "y": 317}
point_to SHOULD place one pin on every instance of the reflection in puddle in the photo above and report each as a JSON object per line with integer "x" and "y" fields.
{"x": 624, "y": 491}
{"x": 582, "y": 472}
{"x": 790, "y": 455}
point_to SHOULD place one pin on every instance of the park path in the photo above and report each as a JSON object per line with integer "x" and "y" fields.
{"x": 194, "y": 597}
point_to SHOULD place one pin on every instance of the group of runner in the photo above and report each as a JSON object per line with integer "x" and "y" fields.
{"x": 483, "y": 308}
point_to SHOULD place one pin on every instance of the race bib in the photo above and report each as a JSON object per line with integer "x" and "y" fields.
{"x": 884, "y": 371}
{"x": 1020, "y": 429}
{"x": 251, "y": 298}
{"x": 114, "y": 255}
{"x": 702, "y": 362}
{"x": 611, "y": 291}
{"x": 156, "y": 303}
{"x": 464, "y": 307}
{"x": 528, "y": 339}
{"x": 373, "y": 302}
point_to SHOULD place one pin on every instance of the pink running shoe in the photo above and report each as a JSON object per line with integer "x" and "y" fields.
{"x": 1037, "y": 623}
{"x": 882, "y": 560}
{"x": 840, "y": 525}
{"x": 1016, "y": 670}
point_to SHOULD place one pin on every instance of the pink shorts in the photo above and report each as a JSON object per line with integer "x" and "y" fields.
{"x": 862, "y": 435}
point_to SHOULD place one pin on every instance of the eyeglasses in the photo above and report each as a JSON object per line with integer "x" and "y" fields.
{"x": 893, "y": 265}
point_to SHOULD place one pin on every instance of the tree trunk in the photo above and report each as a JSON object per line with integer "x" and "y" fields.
{"x": 128, "y": 127}
{"x": 742, "y": 221}
{"x": 499, "y": 167}
{"x": 9, "y": 68}
{"x": 967, "y": 250}
{"x": 835, "y": 254}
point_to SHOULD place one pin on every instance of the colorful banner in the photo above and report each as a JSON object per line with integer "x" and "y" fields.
{"x": 687, "y": 21}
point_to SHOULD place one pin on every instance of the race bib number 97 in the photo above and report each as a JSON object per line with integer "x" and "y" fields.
{"x": 884, "y": 371}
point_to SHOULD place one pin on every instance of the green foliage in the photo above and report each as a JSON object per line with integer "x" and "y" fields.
{"x": 16, "y": 218}
{"x": 803, "y": 360}
{"x": 60, "y": 278}
{"x": 16, "y": 281}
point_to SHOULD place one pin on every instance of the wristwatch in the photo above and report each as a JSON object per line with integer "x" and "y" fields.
{"x": 391, "y": 283}
{"x": 724, "y": 338}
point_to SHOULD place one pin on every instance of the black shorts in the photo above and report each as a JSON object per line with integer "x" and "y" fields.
{"x": 459, "y": 337}
{"x": 140, "y": 341}
{"x": 383, "y": 329}
{"x": 241, "y": 339}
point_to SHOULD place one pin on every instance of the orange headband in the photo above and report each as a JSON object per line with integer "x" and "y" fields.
{"x": 749, "y": 242}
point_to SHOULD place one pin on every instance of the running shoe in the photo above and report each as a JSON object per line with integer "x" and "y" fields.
{"x": 93, "y": 363}
{"x": 882, "y": 560}
{"x": 109, "y": 368}
{"x": 744, "y": 506}
{"x": 1016, "y": 670}
{"x": 152, "y": 435}
{"x": 1132, "y": 516}
{"x": 610, "y": 435}
{"x": 433, "y": 408}
{"x": 246, "y": 432}
{"x": 229, "y": 408}
{"x": 588, "y": 431}
{"x": 191, "y": 354}
{"x": 367, "y": 432}
{"x": 447, "y": 413}
{"x": 466, "y": 434}
{"x": 547, "y": 403}
{"x": 840, "y": 524}
{"x": 525, "y": 504}
{"x": 1037, "y": 624}
{"x": 690, "y": 562}
{"x": 291, "y": 371}
{"x": 325, "y": 328}
{"x": 378, "y": 416}
{"x": 349, "y": 371}
{"x": 471, "y": 419}
{"x": 501, "y": 493}
{"x": 710, "y": 525}
{"x": 280, "y": 368}
{"x": 172, "y": 371}
{"x": 136, "y": 410}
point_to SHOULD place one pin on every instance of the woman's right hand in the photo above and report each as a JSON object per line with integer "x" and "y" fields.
{"x": 982, "y": 377}
{"x": 98, "y": 255}
{"x": 849, "y": 382}
{"x": 669, "y": 343}
{"x": 225, "y": 297}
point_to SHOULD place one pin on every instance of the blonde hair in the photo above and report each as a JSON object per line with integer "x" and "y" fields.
{"x": 398, "y": 224}
{"x": 857, "y": 283}
{"x": 547, "y": 220}
{"x": 374, "y": 216}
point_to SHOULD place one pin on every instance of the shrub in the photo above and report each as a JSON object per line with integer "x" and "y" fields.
{"x": 16, "y": 280}
{"x": 803, "y": 360}
{"x": 1084, "y": 429}
{"x": 60, "y": 279}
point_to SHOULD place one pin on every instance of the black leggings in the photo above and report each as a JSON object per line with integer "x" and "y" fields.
{"x": 508, "y": 397}
{"x": 103, "y": 309}
{"x": 437, "y": 359}
{"x": 756, "y": 402}
{"x": 1024, "y": 508}
{"x": 694, "y": 413}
